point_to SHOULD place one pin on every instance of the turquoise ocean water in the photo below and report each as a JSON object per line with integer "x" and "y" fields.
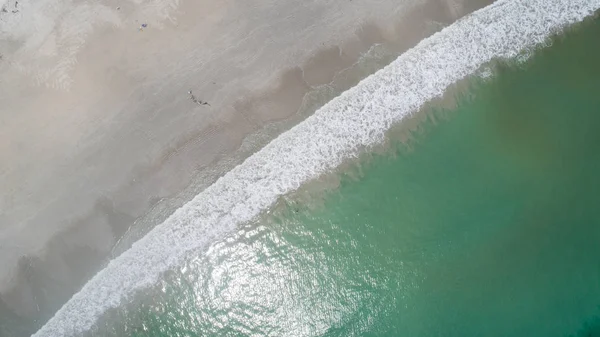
{"x": 485, "y": 222}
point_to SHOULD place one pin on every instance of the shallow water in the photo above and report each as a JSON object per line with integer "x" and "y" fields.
{"x": 486, "y": 224}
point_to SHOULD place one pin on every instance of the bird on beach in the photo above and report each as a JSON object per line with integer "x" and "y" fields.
{"x": 197, "y": 101}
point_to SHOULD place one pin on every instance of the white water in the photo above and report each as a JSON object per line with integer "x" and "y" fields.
{"x": 357, "y": 118}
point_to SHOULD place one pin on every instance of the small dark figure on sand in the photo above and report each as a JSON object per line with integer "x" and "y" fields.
{"x": 197, "y": 101}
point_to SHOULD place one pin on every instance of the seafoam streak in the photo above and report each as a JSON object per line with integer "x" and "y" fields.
{"x": 357, "y": 118}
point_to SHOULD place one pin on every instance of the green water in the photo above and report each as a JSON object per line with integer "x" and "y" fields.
{"x": 487, "y": 225}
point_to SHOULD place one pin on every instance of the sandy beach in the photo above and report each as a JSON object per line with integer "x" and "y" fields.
{"x": 101, "y": 141}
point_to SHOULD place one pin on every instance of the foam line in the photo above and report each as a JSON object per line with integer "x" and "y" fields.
{"x": 357, "y": 118}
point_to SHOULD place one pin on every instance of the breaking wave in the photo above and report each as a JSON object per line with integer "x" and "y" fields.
{"x": 356, "y": 119}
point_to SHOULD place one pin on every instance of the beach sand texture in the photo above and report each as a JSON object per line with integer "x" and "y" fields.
{"x": 99, "y": 140}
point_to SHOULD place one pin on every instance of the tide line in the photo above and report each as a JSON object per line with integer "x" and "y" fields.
{"x": 356, "y": 119}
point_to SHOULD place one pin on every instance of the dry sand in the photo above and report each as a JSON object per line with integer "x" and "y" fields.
{"x": 99, "y": 140}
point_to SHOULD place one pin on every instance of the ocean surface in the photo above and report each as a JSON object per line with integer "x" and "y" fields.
{"x": 478, "y": 217}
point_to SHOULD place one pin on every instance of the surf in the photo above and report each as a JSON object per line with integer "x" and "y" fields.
{"x": 355, "y": 120}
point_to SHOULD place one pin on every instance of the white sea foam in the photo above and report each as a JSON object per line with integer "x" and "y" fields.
{"x": 337, "y": 131}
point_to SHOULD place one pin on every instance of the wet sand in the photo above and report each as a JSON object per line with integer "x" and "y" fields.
{"x": 100, "y": 140}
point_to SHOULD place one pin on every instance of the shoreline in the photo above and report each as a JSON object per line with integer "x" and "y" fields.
{"x": 111, "y": 216}
{"x": 250, "y": 188}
